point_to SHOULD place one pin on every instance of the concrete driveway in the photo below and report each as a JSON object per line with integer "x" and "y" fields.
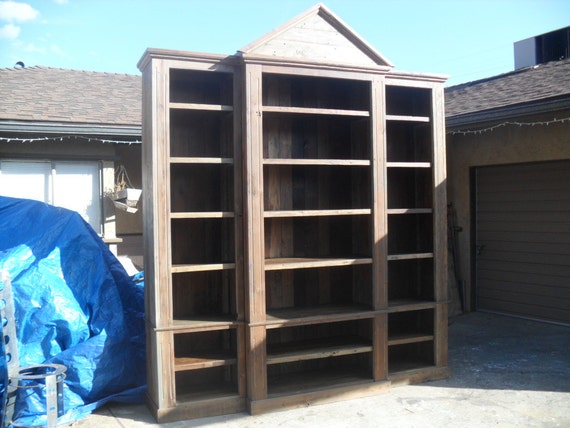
{"x": 506, "y": 372}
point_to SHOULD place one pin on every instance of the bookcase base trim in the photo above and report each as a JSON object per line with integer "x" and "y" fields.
{"x": 422, "y": 375}
{"x": 236, "y": 404}
{"x": 197, "y": 409}
{"x": 310, "y": 398}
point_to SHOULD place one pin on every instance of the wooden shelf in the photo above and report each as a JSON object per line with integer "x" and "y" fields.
{"x": 315, "y": 349}
{"x": 276, "y": 318}
{"x": 403, "y": 305}
{"x": 402, "y": 367}
{"x": 305, "y": 263}
{"x": 399, "y": 375}
{"x": 202, "y": 267}
{"x": 397, "y": 211}
{"x": 316, "y": 213}
{"x": 301, "y": 390}
{"x": 410, "y": 256}
{"x": 408, "y": 164}
{"x": 196, "y": 106}
{"x": 317, "y": 162}
{"x": 404, "y": 339}
{"x": 201, "y": 160}
{"x": 209, "y": 214}
{"x": 200, "y": 323}
{"x": 317, "y": 111}
{"x": 315, "y": 381}
{"x": 204, "y": 394}
{"x": 403, "y": 118}
{"x": 202, "y": 362}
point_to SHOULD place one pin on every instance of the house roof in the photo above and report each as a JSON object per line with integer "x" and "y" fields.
{"x": 510, "y": 94}
{"x": 43, "y": 97}
{"x": 316, "y": 36}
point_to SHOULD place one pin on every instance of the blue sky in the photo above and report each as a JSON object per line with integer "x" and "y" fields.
{"x": 466, "y": 39}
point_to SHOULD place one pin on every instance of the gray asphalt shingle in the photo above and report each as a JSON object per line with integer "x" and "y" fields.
{"x": 46, "y": 94}
{"x": 43, "y": 94}
{"x": 541, "y": 82}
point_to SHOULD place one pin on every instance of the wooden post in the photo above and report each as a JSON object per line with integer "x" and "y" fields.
{"x": 254, "y": 235}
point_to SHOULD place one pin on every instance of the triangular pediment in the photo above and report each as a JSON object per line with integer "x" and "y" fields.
{"x": 316, "y": 36}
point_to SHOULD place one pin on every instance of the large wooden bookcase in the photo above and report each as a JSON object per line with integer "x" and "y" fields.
{"x": 294, "y": 211}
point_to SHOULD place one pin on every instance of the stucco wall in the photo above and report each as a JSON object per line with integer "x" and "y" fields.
{"x": 55, "y": 149}
{"x": 503, "y": 145}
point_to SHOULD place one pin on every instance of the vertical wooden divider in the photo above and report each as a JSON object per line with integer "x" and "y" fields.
{"x": 254, "y": 237}
{"x": 379, "y": 240}
{"x": 238, "y": 177}
{"x": 441, "y": 335}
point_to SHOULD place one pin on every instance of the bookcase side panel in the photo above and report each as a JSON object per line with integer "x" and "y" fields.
{"x": 155, "y": 198}
{"x": 440, "y": 195}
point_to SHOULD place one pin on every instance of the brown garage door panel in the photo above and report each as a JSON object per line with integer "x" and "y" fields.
{"x": 526, "y": 268}
{"x": 560, "y": 216}
{"x": 545, "y": 248}
{"x": 521, "y": 206}
{"x": 512, "y": 290}
{"x": 517, "y": 254}
{"x": 523, "y": 237}
{"x": 529, "y": 196}
{"x": 518, "y": 296}
{"x": 521, "y": 278}
{"x": 527, "y": 310}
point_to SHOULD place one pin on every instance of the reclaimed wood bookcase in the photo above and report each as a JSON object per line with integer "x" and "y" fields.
{"x": 193, "y": 237}
{"x": 294, "y": 211}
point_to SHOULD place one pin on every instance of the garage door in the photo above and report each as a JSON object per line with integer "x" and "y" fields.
{"x": 523, "y": 240}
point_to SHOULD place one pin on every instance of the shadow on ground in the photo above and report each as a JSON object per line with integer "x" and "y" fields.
{"x": 489, "y": 351}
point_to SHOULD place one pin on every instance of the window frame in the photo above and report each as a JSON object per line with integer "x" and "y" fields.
{"x": 97, "y": 224}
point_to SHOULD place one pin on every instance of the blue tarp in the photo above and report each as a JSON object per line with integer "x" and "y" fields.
{"x": 3, "y": 375}
{"x": 75, "y": 305}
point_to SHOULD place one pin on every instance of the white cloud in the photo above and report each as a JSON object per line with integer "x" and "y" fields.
{"x": 13, "y": 11}
{"x": 9, "y": 31}
{"x": 57, "y": 50}
{"x": 31, "y": 48}
{"x": 60, "y": 1}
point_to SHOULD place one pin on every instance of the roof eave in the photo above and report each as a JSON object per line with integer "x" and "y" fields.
{"x": 66, "y": 129}
{"x": 508, "y": 112}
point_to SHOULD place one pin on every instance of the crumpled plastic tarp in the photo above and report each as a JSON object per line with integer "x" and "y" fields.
{"x": 3, "y": 377}
{"x": 74, "y": 305}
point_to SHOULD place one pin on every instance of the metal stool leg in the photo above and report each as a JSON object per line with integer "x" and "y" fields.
{"x": 50, "y": 376}
{"x": 10, "y": 343}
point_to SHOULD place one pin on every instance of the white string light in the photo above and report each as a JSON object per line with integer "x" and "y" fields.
{"x": 66, "y": 137}
{"x": 492, "y": 128}
{"x": 101, "y": 140}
